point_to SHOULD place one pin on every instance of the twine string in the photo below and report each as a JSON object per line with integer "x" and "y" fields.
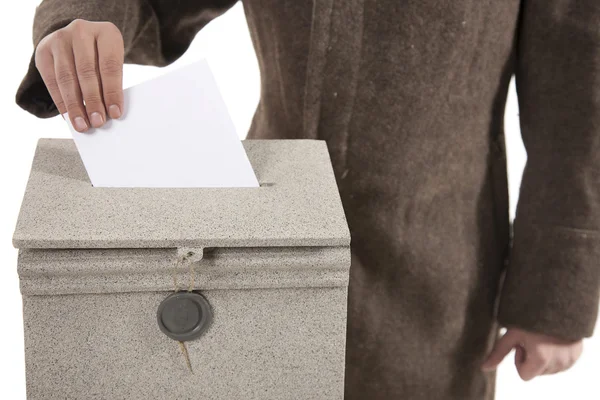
{"x": 180, "y": 261}
{"x": 177, "y": 264}
{"x": 191, "y": 286}
{"x": 186, "y": 355}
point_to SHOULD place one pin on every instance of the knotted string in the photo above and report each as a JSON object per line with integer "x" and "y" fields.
{"x": 180, "y": 261}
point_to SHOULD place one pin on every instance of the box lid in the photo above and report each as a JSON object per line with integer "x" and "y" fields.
{"x": 79, "y": 271}
{"x": 298, "y": 204}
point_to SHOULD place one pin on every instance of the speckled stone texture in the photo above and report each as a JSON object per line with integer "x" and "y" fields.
{"x": 273, "y": 344}
{"x": 94, "y": 265}
{"x": 47, "y": 272}
{"x": 297, "y": 205}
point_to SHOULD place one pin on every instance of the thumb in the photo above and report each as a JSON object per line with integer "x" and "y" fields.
{"x": 502, "y": 347}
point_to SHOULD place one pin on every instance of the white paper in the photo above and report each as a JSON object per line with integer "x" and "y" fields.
{"x": 175, "y": 132}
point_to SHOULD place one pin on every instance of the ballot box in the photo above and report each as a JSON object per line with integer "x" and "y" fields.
{"x": 187, "y": 293}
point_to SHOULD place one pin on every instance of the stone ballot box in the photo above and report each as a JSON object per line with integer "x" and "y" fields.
{"x": 214, "y": 293}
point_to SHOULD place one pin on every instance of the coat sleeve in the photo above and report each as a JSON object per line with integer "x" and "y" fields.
{"x": 155, "y": 32}
{"x": 552, "y": 278}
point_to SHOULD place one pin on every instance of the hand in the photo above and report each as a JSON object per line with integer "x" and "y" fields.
{"x": 535, "y": 354}
{"x": 82, "y": 67}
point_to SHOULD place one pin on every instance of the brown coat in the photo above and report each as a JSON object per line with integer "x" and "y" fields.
{"x": 410, "y": 97}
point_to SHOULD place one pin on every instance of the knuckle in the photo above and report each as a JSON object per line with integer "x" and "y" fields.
{"x": 87, "y": 70}
{"x": 81, "y": 29}
{"x": 42, "y": 50}
{"x": 72, "y": 104}
{"x": 93, "y": 100}
{"x": 112, "y": 96}
{"x": 110, "y": 28}
{"x": 110, "y": 66}
{"x": 64, "y": 76}
{"x": 112, "y": 33}
{"x": 78, "y": 25}
{"x": 59, "y": 35}
{"x": 42, "y": 59}
{"x": 112, "y": 93}
{"x": 74, "y": 108}
{"x": 52, "y": 85}
{"x": 43, "y": 44}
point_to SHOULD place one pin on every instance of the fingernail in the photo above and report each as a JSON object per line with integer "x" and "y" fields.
{"x": 80, "y": 124}
{"x": 114, "y": 111}
{"x": 96, "y": 119}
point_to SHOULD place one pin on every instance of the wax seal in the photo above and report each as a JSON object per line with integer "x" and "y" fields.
{"x": 184, "y": 316}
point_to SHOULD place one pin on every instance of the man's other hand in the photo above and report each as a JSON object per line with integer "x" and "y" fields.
{"x": 535, "y": 354}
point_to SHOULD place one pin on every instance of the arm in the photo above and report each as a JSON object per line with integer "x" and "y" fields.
{"x": 154, "y": 32}
{"x": 553, "y": 275}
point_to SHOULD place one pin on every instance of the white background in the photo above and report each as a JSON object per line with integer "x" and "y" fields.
{"x": 226, "y": 44}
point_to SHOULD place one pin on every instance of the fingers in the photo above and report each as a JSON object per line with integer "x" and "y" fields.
{"x": 537, "y": 359}
{"x": 563, "y": 359}
{"x": 545, "y": 355}
{"x": 535, "y": 354}
{"x": 44, "y": 62}
{"x": 502, "y": 347}
{"x": 556, "y": 364}
{"x": 82, "y": 67}
{"x": 520, "y": 356}
{"x": 86, "y": 65}
{"x": 68, "y": 84}
{"x": 111, "y": 56}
